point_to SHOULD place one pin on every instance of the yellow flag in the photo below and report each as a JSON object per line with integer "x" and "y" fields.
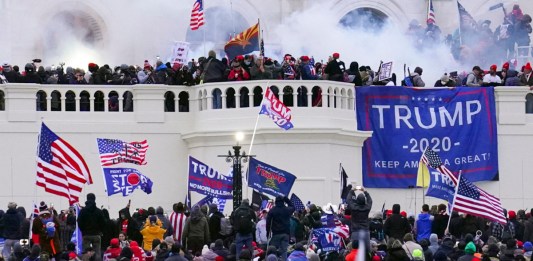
{"x": 422, "y": 178}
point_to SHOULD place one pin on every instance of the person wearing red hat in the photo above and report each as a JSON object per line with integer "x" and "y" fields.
{"x": 518, "y": 226}
{"x": 307, "y": 70}
{"x": 491, "y": 79}
{"x": 335, "y": 69}
{"x": 396, "y": 226}
{"x": 113, "y": 251}
{"x": 526, "y": 78}
{"x": 238, "y": 73}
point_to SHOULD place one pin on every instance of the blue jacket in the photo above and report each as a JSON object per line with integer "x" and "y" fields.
{"x": 423, "y": 226}
{"x": 11, "y": 222}
{"x": 305, "y": 69}
{"x": 279, "y": 217}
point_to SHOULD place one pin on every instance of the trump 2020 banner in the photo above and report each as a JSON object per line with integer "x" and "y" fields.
{"x": 207, "y": 181}
{"x": 457, "y": 123}
{"x": 125, "y": 181}
{"x": 269, "y": 179}
{"x": 440, "y": 186}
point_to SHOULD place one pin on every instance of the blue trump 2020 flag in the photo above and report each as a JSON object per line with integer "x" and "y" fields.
{"x": 125, "y": 181}
{"x": 276, "y": 110}
{"x": 457, "y": 123}
{"x": 268, "y": 179}
{"x": 207, "y": 181}
{"x": 440, "y": 186}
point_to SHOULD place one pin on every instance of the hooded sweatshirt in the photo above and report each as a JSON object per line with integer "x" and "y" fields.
{"x": 423, "y": 226}
{"x": 396, "y": 226}
{"x": 150, "y": 233}
{"x": 359, "y": 206}
{"x": 196, "y": 226}
{"x": 434, "y": 243}
{"x": 279, "y": 217}
{"x": 91, "y": 219}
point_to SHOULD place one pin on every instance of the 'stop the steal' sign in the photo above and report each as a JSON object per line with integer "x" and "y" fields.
{"x": 459, "y": 124}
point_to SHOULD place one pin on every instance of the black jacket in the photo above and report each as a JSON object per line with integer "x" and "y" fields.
{"x": 528, "y": 230}
{"x": 132, "y": 231}
{"x": 214, "y": 70}
{"x": 439, "y": 224}
{"x": 359, "y": 206}
{"x": 396, "y": 226}
{"x": 335, "y": 70}
{"x": 279, "y": 217}
{"x": 243, "y": 219}
{"x": 11, "y": 222}
{"x": 214, "y": 225}
{"x": 91, "y": 219}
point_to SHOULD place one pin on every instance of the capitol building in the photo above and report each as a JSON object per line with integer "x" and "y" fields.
{"x": 132, "y": 31}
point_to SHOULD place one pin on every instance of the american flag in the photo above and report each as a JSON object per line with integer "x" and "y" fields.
{"x": 431, "y": 159}
{"x": 431, "y": 13}
{"x": 61, "y": 170}
{"x": 474, "y": 201}
{"x": 116, "y": 151}
{"x": 262, "y": 48}
{"x": 266, "y": 205}
{"x": 197, "y": 15}
{"x": 297, "y": 202}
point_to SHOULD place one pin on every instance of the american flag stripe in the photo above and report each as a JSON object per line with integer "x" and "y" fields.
{"x": 197, "y": 15}
{"x": 61, "y": 169}
{"x": 432, "y": 159}
{"x": 431, "y": 12}
{"x": 116, "y": 151}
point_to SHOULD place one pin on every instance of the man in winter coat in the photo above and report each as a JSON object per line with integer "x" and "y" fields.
{"x": 440, "y": 221}
{"x": 213, "y": 70}
{"x": 128, "y": 225}
{"x": 518, "y": 226}
{"x": 151, "y": 232}
{"x": 46, "y": 228}
{"x": 410, "y": 245}
{"x": 528, "y": 228}
{"x": 91, "y": 223}
{"x": 11, "y": 221}
{"x": 196, "y": 231}
{"x": 423, "y": 224}
{"x": 278, "y": 224}
{"x": 526, "y": 79}
{"x": 313, "y": 218}
{"x": 470, "y": 249}
{"x": 396, "y": 225}
{"x": 359, "y": 207}
{"x": 335, "y": 69}
{"x": 214, "y": 222}
{"x": 417, "y": 79}
{"x": 165, "y": 223}
{"x": 307, "y": 71}
{"x": 243, "y": 220}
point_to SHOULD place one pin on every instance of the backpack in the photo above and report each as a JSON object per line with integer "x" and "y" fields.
{"x": 243, "y": 221}
{"x": 225, "y": 227}
{"x": 463, "y": 81}
{"x": 376, "y": 230}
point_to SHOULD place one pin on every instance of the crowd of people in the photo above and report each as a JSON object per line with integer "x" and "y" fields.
{"x": 203, "y": 233}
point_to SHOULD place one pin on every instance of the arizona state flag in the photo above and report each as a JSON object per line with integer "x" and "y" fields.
{"x": 244, "y": 43}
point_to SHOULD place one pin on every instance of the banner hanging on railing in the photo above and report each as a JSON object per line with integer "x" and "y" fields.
{"x": 458, "y": 123}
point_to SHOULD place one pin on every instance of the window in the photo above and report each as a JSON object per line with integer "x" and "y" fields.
{"x": 230, "y": 98}
{"x": 56, "y": 101}
{"x": 244, "y": 99}
{"x": 113, "y": 101}
{"x": 70, "y": 101}
{"x": 99, "y": 101}
{"x": 258, "y": 96}
{"x": 41, "y": 101}
{"x": 183, "y": 101}
{"x": 170, "y": 104}
{"x": 127, "y": 101}
{"x": 288, "y": 99}
{"x": 85, "y": 103}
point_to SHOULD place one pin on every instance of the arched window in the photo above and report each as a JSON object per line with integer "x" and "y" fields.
{"x": 112, "y": 103}
{"x": 70, "y": 101}
{"x": 41, "y": 101}
{"x": 2, "y": 101}
{"x": 99, "y": 101}
{"x": 183, "y": 102}
{"x": 258, "y": 96}
{"x": 204, "y": 100}
{"x": 230, "y": 98}
{"x": 529, "y": 103}
{"x": 217, "y": 98}
{"x": 350, "y": 100}
{"x": 316, "y": 96}
{"x": 302, "y": 96}
{"x": 127, "y": 102}
{"x": 56, "y": 101}
{"x": 275, "y": 91}
{"x": 85, "y": 103}
{"x": 244, "y": 99}
{"x": 170, "y": 104}
{"x": 288, "y": 99}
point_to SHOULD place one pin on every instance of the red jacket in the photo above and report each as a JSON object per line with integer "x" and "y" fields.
{"x": 238, "y": 75}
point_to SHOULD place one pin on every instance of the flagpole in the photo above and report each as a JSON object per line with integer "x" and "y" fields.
{"x": 460, "y": 34}
{"x": 453, "y": 201}
{"x": 35, "y": 183}
{"x": 260, "y": 35}
{"x": 250, "y": 149}
{"x": 232, "y": 17}
{"x": 340, "y": 175}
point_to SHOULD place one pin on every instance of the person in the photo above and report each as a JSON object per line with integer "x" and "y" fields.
{"x": 214, "y": 222}
{"x": 91, "y": 223}
{"x": 433, "y": 243}
{"x": 138, "y": 252}
{"x": 410, "y": 245}
{"x": 278, "y": 224}
{"x": 150, "y": 232}
{"x": 525, "y": 78}
{"x": 470, "y": 249}
{"x": 213, "y": 70}
{"x": 416, "y": 77}
{"x": 335, "y": 69}
{"x": 113, "y": 251}
{"x": 502, "y": 232}
{"x": 298, "y": 254}
{"x": 359, "y": 206}
{"x": 474, "y": 79}
{"x": 313, "y": 218}
{"x": 243, "y": 220}
{"x": 307, "y": 70}
{"x": 395, "y": 251}
{"x": 423, "y": 224}
{"x": 196, "y": 231}
{"x": 491, "y": 79}
{"x": 329, "y": 218}
{"x": 35, "y": 254}
{"x": 260, "y": 230}
{"x": 396, "y": 225}
{"x": 165, "y": 223}
{"x": 445, "y": 81}
{"x": 518, "y": 226}
{"x": 353, "y": 253}
{"x": 11, "y": 222}
{"x": 128, "y": 225}
{"x": 440, "y": 221}
{"x": 238, "y": 73}
{"x": 175, "y": 254}
{"x": 78, "y": 77}
{"x": 45, "y": 227}
{"x": 512, "y": 78}
{"x": 353, "y": 74}
{"x": 177, "y": 221}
